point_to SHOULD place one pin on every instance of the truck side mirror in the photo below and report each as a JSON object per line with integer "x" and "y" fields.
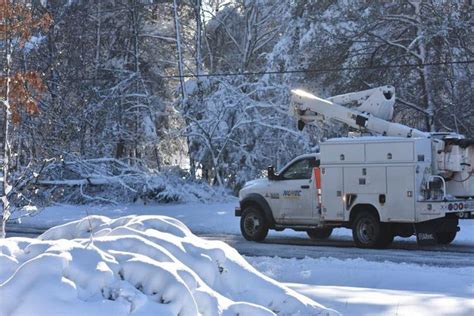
{"x": 271, "y": 173}
{"x": 301, "y": 125}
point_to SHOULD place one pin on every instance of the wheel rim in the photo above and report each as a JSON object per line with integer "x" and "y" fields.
{"x": 251, "y": 224}
{"x": 366, "y": 231}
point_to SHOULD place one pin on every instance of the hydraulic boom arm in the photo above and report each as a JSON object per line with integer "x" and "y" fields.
{"x": 375, "y": 108}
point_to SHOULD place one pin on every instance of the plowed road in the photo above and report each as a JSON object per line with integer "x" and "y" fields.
{"x": 455, "y": 255}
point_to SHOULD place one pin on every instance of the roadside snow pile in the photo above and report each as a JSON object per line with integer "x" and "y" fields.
{"x": 139, "y": 265}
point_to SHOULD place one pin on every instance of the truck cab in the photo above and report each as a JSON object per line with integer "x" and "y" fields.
{"x": 287, "y": 199}
{"x": 288, "y": 193}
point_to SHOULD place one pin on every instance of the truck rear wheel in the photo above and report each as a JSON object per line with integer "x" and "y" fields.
{"x": 253, "y": 224}
{"x": 319, "y": 233}
{"x": 369, "y": 232}
{"x": 445, "y": 238}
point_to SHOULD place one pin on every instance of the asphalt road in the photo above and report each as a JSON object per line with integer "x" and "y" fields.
{"x": 455, "y": 255}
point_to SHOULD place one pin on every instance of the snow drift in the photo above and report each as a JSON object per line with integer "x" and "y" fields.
{"x": 137, "y": 265}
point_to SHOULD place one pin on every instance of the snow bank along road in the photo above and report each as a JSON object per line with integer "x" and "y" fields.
{"x": 136, "y": 265}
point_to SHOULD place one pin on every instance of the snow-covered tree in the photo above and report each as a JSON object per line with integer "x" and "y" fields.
{"x": 238, "y": 123}
{"x": 20, "y": 90}
{"x": 150, "y": 82}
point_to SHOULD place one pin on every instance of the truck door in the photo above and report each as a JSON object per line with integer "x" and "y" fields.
{"x": 297, "y": 192}
{"x": 332, "y": 193}
{"x": 400, "y": 204}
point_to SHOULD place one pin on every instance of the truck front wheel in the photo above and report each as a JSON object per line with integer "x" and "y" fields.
{"x": 445, "y": 238}
{"x": 253, "y": 224}
{"x": 319, "y": 233}
{"x": 369, "y": 232}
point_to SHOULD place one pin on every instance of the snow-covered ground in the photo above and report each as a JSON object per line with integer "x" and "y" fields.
{"x": 360, "y": 287}
{"x": 357, "y": 284}
{"x": 136, "y": 265}
{"x": 199, "y": 217}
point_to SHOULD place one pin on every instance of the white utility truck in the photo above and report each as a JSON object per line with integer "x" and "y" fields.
{"x": 399, "y": 181}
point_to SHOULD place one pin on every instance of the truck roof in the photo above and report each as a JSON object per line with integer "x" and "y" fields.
{"x": 370, "y": 139}
{"x": 306, "y": 156}
{"x": 311, "y": 155}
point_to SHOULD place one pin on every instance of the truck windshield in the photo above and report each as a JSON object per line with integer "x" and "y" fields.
{"x": 300, "y": 169}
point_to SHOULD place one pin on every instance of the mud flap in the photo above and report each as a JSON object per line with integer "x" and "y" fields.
{"x": 426, "y": 231}
{"x": 425, "y": 239}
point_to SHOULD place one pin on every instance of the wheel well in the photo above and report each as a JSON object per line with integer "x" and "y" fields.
{"x": 246, "y": 204}
{"x": 261, "y": 205}
{"x": 357, "y": 209}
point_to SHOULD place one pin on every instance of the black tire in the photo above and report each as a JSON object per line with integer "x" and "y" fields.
{"x": 253, "y": 224}
{"x": 369, "y": 232}
{"x": 445, "y": 238}
{"x": 319, "y": 233}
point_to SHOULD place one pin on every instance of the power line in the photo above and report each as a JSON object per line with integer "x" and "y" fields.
{"x": 295, "y": 71}
{"x": 124, "y": 7}
{"x": 292, "y": 71}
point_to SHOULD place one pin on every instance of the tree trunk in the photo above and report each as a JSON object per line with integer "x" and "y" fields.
{"x": 7, "y": 118}
{"x": 425, "y": 71}
{"x": 184, "y": 97}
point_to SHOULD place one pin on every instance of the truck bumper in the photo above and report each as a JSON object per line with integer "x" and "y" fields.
{"x": 466, "y": 215}
{"x": 428, "y": 210}
{"x": 238, "y": 212}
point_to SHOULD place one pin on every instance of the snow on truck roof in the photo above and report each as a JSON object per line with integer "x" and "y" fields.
{"x": 306, "y": 156}
{"x": 369, "y": 139}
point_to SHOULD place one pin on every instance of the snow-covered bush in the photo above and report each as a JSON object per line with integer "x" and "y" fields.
{"x": 136, "y": 265}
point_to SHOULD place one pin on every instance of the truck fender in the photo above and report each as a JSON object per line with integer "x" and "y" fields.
{"x": 257, "y": 199}
{"x": 356, "y": 209}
